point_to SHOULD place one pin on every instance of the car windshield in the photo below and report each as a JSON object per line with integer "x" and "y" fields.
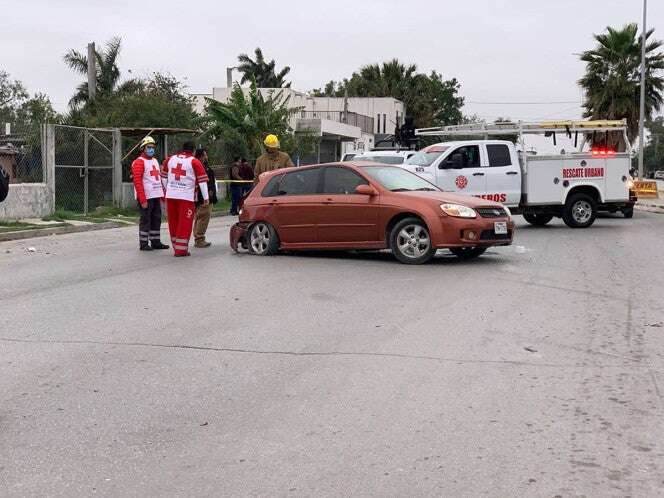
{"x": 427, "y": 156}
{"x": 397, "y": 179}
{"x": 381, "y": 159}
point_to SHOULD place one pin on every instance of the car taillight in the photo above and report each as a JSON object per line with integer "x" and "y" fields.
{"x": 600, "y": 151}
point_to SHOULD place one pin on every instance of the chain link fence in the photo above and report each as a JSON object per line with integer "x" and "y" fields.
{"x": 83, "y": 169}
{"x": 22, "y": 153}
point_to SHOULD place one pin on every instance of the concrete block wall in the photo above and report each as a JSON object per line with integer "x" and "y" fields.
{"x": 27, "y": 200}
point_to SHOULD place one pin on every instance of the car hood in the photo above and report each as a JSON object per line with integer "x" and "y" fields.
{"x": 442, "y": 197}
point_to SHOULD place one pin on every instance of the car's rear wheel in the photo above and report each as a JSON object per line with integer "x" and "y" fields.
{"x": 467, "y": 252}
{"x": 411, "y": 243}
{"x": 263, "y": 239}
{"x": 538, "y": 220}
{"x": 628, "y": 212}
{"x": 580, "y": 211}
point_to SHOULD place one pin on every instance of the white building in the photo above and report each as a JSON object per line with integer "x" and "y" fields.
{"x": 344, "y": 125}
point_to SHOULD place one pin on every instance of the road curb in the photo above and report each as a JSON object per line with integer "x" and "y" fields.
{"x": 650, "y": 208}
{"x": 44, "y": 232}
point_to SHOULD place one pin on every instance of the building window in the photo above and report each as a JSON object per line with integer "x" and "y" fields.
{"x": 384, "y": 120}
{"x": 377, "y": 123}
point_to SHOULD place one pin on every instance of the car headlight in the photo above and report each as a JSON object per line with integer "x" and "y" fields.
{"x": 458, "y": 211}
{"x": 508, "y": 212}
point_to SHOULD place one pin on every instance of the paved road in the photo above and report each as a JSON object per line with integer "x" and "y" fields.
{"x": 537, "y": 370}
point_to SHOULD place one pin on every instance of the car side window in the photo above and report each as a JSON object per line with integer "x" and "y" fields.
{"x": 302, "y": 182}
{"x": 272, "y": 187}
{"x": 467, "y": 156}
{"x": 341, "y": 181}
{"x": 499, "y": 155}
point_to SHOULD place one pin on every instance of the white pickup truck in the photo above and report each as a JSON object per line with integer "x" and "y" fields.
{"x": 573, "y": 186}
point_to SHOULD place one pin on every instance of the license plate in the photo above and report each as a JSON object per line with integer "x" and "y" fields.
{"x": 500, "y": 227}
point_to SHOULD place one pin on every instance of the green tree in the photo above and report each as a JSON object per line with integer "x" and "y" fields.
{"x": 12, "y": 96}
{"x": 160, "y": 101}
{"x": 653, "y": 154}
{"x": 247, "y": 118}
{"x": 108, "y": 72}
{"x": 612, "y": 79}
{"x": 262, "y": 72}
{"x": 428, "y": 98}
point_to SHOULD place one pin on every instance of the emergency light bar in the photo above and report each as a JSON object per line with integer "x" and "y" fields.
{"x": 523, "y": 128}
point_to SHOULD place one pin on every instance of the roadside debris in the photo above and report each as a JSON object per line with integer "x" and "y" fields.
{"x": 656, "y": 324}
{"x": 530, "y": 350}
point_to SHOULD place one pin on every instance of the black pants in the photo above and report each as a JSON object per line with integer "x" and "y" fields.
{"x": 150, "y": 224}
{"x": 236, "y": 195}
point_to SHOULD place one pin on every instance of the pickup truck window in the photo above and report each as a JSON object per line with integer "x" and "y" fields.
{"x": 499, "y": 155}
{"x": 427, "y": 156}
{"x": 464, "y": 157}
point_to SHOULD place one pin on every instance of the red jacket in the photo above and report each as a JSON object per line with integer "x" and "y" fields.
{"x": 140, "y": 178}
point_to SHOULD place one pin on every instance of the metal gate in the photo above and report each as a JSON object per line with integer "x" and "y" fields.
{"x": 84, "y": 162}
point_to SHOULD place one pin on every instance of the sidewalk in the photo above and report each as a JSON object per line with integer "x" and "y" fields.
{"x": 652, "y": 205}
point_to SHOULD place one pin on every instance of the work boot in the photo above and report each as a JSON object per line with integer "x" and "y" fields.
{"x": 159, "y": 245}
{"x": 203, "y": 244}
{"x": 145, "y": 248}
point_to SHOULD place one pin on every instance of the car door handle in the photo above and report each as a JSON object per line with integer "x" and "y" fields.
{"x": 327, "y": 201}
{"x": 511, "y": 173}
{"x": 478, "y": 174}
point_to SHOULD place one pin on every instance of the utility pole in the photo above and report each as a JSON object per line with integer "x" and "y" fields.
{"x": 642, "y": 110}
{"x": 92, "y": 71}
{"x": 229, "y": 76}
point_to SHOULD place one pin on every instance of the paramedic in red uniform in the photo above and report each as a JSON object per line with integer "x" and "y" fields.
{"x": 184, "y": 175}
{"x": 149, "y": 194}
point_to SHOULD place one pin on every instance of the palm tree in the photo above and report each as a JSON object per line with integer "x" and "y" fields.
{"x": 612, "y": 79}
{"x": 262, "y": 72}
{"x": 108, "y": 73}
{"x": 250, "y": 117}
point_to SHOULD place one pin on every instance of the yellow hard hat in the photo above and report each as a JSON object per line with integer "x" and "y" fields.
{"x": 271, "y": 141}
{"x": 147, "y": 141}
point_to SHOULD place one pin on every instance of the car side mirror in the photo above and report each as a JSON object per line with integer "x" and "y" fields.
{"x": 366, "y": 190}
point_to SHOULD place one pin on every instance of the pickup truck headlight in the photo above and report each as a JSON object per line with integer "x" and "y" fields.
{"x": 458, "y": 211}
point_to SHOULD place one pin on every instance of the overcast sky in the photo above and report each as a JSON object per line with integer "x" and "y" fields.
{"x": 501, "y": 51}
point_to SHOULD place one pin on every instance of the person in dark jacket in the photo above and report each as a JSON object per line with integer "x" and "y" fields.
{"x": 236, "y": 188}
{"x": 203, "y": 212}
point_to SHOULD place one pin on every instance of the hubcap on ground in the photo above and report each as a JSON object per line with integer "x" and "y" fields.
{"x": 413, "y": 241}
{"x": 581, "y": 211}
{"x": 260, "y": 238}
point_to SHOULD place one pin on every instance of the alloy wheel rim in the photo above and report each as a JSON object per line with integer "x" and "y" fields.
{"x": 581, "y": 211}
{"x": 260, "y": 238}
{"x": 413, "y": 241}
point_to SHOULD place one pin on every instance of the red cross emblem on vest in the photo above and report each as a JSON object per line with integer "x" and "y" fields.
{"x": 178, "y": 172}
{"x": 154, "y": 172}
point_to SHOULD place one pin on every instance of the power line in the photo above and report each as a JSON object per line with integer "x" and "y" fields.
{"x": 525, "y": 103}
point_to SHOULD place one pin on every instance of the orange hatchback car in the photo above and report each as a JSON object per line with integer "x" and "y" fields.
{"x": 366, "y": 206}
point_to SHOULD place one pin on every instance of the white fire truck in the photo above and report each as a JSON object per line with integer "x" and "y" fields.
{"x": 572, "y": 185}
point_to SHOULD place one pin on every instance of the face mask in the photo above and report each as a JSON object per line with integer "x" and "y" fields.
{"x": 149, "y": 151}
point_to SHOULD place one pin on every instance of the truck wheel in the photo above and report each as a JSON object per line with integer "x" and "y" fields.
{"x": 628, "y": 212}
{"x": 538, "y": 220}
{"x": 411, "y": 243}
{"x": 467, "y": 252}
{"x": 263, "y": 239}
{"x": 580, "y": 211}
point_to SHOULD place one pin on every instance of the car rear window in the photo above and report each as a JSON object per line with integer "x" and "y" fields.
{"x": 302, "y": 182}
{"x": 381, "y": 159}
{"x": 272, "y": 187}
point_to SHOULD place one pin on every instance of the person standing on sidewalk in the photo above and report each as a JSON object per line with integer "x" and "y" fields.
{"x": 246, "y": 174}
{"x": 236, "y": 188}
{"x": 149, "y": 194}
{"x": 272, "y": 158}
{"x": 203, "y": 212}
{"x": 184, "y": 174}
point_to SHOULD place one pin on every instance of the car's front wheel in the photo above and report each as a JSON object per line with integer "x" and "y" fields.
{"x": 411, "y": 243}
{"x": 467, "y": 252}
{"x": 263, "y": 239}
